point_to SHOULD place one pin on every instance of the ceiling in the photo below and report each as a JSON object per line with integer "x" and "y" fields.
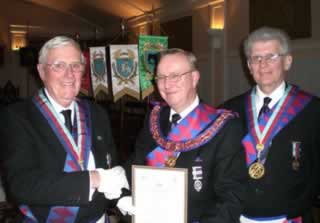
{"x": 88, "y": 19}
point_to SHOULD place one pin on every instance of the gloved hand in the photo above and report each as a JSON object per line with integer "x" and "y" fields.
{"x": 112, "y": 181}
{"x": 125, "y": 205}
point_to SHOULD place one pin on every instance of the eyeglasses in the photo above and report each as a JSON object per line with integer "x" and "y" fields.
{"x": 173, "y": 77}
{"x": 269, "y": 58}
{"x": 61, "y": 66}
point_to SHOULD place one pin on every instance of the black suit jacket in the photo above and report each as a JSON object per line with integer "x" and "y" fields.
{"x": 283, "y": 190}
{"x": 33, "y": 160}
{"x": 223, "y": 166}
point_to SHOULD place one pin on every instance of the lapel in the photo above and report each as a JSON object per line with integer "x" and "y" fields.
{"x": 99, "y": 142}
{"x": 46, "y": 134}
{"x": 243, "y": 114}
{"x": 188, "y": 157}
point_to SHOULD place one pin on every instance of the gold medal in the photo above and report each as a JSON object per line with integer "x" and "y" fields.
{"x": 171, "y": 161}
{"x": 260, "y": 146}
{"x": 256, "y": 170}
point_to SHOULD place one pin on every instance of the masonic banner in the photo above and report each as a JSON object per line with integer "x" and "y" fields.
{"x": 149, "y": 48}
{"x": 98, "y": 70}
{"x": 86, "y": 79}
{"x": 124, "y": 70}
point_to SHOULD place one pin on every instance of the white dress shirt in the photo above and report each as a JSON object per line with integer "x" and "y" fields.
{"x": 275, "y": 96}
{"x": 186, "y": 111}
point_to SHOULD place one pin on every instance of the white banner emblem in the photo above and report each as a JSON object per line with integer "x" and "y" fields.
{"x": 98, "y": 70}
{"x": 125, "y": 77}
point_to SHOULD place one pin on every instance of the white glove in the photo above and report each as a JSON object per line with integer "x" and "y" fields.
{"x": 112, "y": 181}
{"x": 125, "y": 205}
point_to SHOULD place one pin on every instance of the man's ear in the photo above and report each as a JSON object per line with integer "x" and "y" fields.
{"x": 287, "y": 62}
{"x": 196, "y": 77}
{"x": 249, "y": 67}
{"x": 41, "y": 72}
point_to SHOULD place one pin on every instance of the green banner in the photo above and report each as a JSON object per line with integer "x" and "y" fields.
{"x": 149, "y": 47}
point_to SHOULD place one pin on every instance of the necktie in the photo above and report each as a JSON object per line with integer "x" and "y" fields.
{"x": 67, "y": 119}
{"x": 174, "y": 119}
{"x": 265, "y": 107}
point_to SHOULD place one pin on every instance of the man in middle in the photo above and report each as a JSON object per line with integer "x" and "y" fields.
{"x": 207, "y": 142}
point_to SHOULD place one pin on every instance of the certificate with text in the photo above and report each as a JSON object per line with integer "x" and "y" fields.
{"x": 159, "y": 194}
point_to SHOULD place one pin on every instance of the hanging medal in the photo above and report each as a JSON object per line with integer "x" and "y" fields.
{"x": 296, "y": 155}
{"x": 197, "y": 176}
{"x": 171, "y": 160}
{"x": 256, "y": 169}
{"x": 263, "y": 138}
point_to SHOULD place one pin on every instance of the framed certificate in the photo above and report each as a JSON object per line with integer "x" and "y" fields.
{"x": 159, "y": 194}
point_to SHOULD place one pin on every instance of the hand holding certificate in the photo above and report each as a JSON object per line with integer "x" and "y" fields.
{"x": 160, "y": 194}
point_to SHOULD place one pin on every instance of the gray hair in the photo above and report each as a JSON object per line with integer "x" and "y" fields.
{"x": 190, "y": 56}
{"x": 57, "y": 42}
{"x": 267, "y": 34}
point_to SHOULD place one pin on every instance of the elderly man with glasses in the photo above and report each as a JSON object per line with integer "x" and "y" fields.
{"x": 282, "y": 141}
{"x": 184, "y": 132}
{"x": 57, "y": 151}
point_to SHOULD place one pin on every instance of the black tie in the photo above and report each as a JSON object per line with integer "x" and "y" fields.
{"x": 174, "y": 119}
{"x": 67, "y": 119}
{"x": 265, "y": 107}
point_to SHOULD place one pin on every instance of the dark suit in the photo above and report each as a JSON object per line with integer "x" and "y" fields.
{"x": 223, "y": 166}
{"x": 33, "y": 161}
{"x": 283, "y": 190}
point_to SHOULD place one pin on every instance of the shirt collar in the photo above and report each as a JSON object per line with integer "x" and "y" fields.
{"x": 275, "y": 95}
{"x": 57, "y": 107}
{"x": 186, "y": 111}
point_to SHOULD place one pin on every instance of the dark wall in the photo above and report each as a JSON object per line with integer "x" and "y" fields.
{"x": 179, "y": 33}
{"x": 292, "y": 16}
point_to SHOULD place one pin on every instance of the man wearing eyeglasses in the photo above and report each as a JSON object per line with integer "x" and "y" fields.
{"x": 187, "y": 133}
{"x": 57, "y": 150}
{"x": 282, "y": 141}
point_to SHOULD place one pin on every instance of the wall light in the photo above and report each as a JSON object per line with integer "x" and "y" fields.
{"x": 18, "y": 39}
{"x": 217, "y": 16}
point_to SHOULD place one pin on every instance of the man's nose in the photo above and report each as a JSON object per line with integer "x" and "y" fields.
{"x": 69, "y": 71}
